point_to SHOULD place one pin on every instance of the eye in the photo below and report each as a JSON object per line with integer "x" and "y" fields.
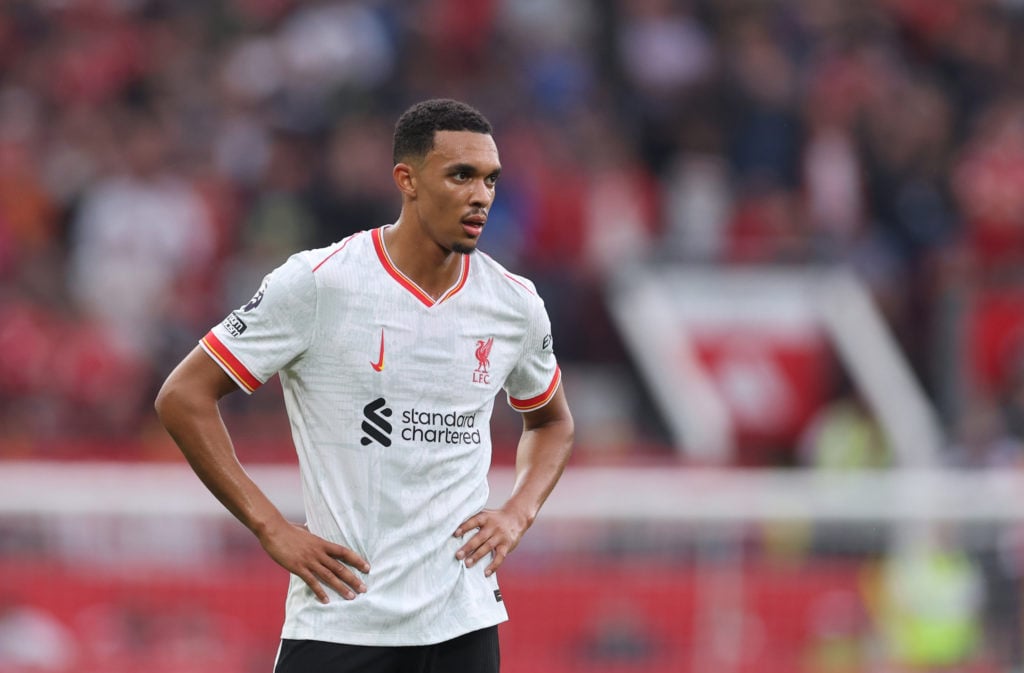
{"x": 492, "y": 180}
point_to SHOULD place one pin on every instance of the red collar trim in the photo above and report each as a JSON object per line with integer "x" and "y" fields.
{"x": 406, "y": 282}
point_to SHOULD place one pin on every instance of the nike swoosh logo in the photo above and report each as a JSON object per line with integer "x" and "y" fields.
{"x": 379, "y": 364}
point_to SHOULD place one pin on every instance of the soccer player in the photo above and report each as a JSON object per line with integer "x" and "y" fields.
{"x": 391, "y": 346}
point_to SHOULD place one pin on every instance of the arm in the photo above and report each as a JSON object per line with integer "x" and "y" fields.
{"x": 543, "y": 452}
{"x": 188, "y": 407}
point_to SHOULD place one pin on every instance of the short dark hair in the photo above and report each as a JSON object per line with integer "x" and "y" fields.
{"x": 414, "y": 131}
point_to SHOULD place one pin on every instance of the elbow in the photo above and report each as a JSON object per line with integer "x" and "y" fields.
{"x": 175, "y": 400}
{"x": 568, "y": 428}
{"x": 166, "y": 399}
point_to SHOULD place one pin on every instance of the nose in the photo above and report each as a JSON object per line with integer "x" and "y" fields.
{"x": 482, "y": 194}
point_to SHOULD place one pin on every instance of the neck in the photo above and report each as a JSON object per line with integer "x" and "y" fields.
{"x": 433, "y": 268}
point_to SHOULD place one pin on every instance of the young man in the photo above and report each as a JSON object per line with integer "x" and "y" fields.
{"x": 391, "y": 346}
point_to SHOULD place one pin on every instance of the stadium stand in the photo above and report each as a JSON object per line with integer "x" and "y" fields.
{"x": 158, "y": 156}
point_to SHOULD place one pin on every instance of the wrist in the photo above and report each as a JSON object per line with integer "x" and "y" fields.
{"x": 264, "y": 527}
{"x": 523, "y": 513}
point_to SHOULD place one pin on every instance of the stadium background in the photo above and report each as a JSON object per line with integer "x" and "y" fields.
{"x": 157, "y": 157}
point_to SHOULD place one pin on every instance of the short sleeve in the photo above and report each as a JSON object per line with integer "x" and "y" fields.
{"x": 257, "y": 340}
{"x": 535, "y": 377}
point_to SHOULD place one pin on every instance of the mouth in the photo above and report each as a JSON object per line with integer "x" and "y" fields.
{"x": 474, "y": 224}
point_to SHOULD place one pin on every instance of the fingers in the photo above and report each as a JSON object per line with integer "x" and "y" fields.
{"x": 491, "y": 537}
{"x": 347, "y": 556}
{"x": 335, "y": 574}
{"x": 322, "y": 565}
{"x": 499, "y": 557}
{"x": 469, "y": 524}
{"x": 338, "y": 574}
{"x": 498, "y": 554}
{"x": 474, "y": 551}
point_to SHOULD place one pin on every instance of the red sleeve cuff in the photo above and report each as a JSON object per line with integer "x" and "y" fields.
{"x": 234, "y": 368}
{"x": 538, "y": 401}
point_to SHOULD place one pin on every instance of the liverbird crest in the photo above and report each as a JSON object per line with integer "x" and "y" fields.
{"x": 483, "y": 354}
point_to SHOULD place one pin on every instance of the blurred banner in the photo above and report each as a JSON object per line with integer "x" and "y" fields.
{"x": 743, "y": 361}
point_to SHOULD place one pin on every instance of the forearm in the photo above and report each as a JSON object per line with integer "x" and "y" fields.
{"x": 541, "y": 457}
{"x": 204, "y": 441}
{"x": 543, "y": 452}
{"x": 188, "y": 408}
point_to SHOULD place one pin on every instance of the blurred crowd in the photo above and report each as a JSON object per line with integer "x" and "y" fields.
{"x": 157, "y": 157}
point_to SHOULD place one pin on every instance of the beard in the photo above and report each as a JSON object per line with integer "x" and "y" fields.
{"x": 463, "y": 248}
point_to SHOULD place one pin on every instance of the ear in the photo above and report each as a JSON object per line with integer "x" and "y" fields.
{"x": 405, "y": 179}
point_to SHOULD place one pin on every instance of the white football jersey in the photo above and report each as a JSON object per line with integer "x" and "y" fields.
{"x": 389, "y": 394}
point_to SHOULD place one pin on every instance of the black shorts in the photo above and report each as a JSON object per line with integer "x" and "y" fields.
{"x": 475, "y": 652}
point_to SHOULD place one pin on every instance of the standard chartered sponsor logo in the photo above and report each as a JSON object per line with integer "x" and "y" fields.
{"x": 375, "y": 423}
{"x": 417, "y": 425}
{"x": 436, "y": 427}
